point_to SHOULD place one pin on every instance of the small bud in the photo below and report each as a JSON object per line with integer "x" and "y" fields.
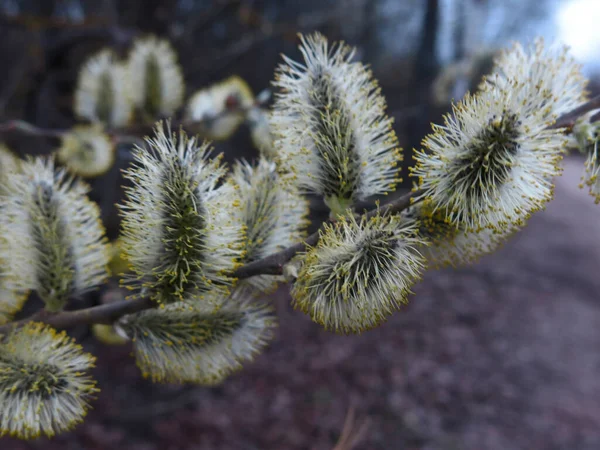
{"x": 86, "y": 151}
{"x": 107, "y": 334}
{"x": 292, "y": 269}
{"x": 218, "y": 109}
{"x": 44, "y": 385}
{"x": 117, "y": 264}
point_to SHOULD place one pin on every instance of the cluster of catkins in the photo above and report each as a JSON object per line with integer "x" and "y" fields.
{"x": 113, "y": 94}
{"x": 189, "y": 222}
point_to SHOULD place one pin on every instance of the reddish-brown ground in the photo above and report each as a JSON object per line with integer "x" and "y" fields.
{"x": 499, "y": 356}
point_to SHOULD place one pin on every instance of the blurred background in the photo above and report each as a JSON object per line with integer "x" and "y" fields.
{"x": 501, "y": 355}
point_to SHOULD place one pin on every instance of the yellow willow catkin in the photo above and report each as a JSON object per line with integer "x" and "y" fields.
{"x": 54, "y": 235}
{"x": 197, "y": 344}
{"x": 155, "y": 77}
{"x": 218, "y": 109}
{"x": 102, "y": 94}
{"x": 331, "y": 130}
{"x": 274, "y": 215}
{"x": 492, "y": 163}
{"x": 182, "y": 234}
{"x": 45, "y": 387}
{"x": 86, "y": 151}
{"x": 359, "y": 272}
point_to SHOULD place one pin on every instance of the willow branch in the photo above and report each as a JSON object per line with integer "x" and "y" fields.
{"x": 106, "y": 314}
{"x": 271, "y": 265}
{"x": 29, "y": 129}
{"x": 568, "y": 120}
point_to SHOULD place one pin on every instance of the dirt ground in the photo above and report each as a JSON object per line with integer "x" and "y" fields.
{"x": 499, "y": 356}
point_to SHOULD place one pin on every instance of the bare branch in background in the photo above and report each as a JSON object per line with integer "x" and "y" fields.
{"x": 352, "y": 433}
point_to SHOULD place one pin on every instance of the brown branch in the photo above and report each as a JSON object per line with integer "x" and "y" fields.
{"x": 568, "y": 120}
{"x": 273, "y": 264}
{"x": 29, "y": 129}
{"x": 106, "y": 314}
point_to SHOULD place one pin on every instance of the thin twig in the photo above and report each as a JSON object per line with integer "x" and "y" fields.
{"x": 32, "y": 130}
{"x": 568, "y": 120}
{"x": 131, "y": 134}
{"x": 352, "y": 434}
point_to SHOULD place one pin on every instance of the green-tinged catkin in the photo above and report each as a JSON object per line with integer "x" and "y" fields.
{"x": 45, "y": 387}
{"x": 184, "y": 343}
{"x": 182, "y": 232}
{"x": 359, "y": 272}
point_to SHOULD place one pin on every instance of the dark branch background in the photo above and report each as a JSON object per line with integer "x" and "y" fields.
{"x": 501, "y": 355}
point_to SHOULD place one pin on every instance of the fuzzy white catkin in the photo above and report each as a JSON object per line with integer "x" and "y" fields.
{"x": 492, "y": 163}
{"x": 155, "y": 77}
{"x": 330, "y": 127}
{"x": 274, "y": 215}
{"x": 489, "y": 165}
{"x": 196, "y": 344}
{"x": 182, "y": 233}
{"x": 54, "y": 235}
{"x": 359, "y": 272}
{"x": 102, "y": 93}
{"x": 45, "y": 387}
